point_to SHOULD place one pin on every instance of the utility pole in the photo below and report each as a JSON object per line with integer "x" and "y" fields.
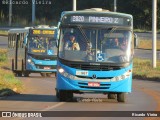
{"x": 10, "y": 13}
{"x": 154, "y": 32}
{"x": 33, "y": 12}
{"x": 115, "y": 5}
{"x": 74, "y": 5}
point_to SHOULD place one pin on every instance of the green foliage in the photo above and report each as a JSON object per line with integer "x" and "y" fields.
{"x": 8, "y": 83}
{"x": 3, "y": 55}
{"x": 142, "y": 69}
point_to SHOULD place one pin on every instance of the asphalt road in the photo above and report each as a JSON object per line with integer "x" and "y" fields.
{"x": 3, "y": 42}
{"x": 146, "y": 54}
{"x": 39, "y": 95}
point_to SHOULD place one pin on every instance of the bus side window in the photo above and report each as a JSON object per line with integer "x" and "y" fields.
{"x": 14, "y": 40}
{"x": 9, "y": 41}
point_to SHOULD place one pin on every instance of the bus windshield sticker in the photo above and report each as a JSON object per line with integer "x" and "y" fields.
{"x": 38, "y": 50}
{"x": 50, "y": 52}
{"x": 100, "y": 57}
{"x": 82, "y": 73}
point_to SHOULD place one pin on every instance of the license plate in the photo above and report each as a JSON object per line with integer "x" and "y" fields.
{"x": 47, "y": 68}
{"x": 93, "y": 84}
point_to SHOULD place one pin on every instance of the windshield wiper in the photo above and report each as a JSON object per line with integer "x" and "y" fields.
{"x": 111, "y": 31}
{"x": 83, "y": 33}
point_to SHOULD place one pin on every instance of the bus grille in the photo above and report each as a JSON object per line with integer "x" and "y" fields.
{"x": 95, "y": 67}
{"x": 43, "y": 66}
{"x": 44, "y": 57}
{"x": 88, "y": 77}
{"x": 94, "y": 87}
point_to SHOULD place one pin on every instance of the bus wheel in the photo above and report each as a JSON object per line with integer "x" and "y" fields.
{"x": 57, "y": 94}
{"x": 26, "y": 74}
{"x": 111, "y": 96}
{"x": 65, "y": 95}
{"x": 121, "y": 97}
{"x": 55, "y": 74}
{"x": 19, "y": 74}
{"x": 48, "y": 74}
{"x": 43, "y": 74}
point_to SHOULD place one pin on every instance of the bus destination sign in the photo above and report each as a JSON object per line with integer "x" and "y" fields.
{"x": 96, "y": 19}
{"x": 43, "y": 32}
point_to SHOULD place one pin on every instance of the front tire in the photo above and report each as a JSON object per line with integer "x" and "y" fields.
{"x": 48, "y": 74}
{"x": 43, "y": 74}
{"x": 111, "y": 96}
{"x": 121, "y": 97}
{"x": 19, "y": 74}
{"x": 63, "y": 95}
{"x": 26, "y": 74}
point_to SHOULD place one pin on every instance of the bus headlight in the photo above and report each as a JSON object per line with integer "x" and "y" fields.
{"x": 61, "y": 70}
{"x": 65, "y": 74}
{"x": 122, "y": 77}
{"x": 29, "y": 60}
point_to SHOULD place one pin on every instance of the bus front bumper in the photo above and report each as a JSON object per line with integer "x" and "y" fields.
{"x": 64, "y": 83}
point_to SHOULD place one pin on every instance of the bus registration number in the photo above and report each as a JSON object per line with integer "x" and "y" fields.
{"x": 93, "y": 84}
{"x": 82, "y": 73}
{"x": 47, "y": 68}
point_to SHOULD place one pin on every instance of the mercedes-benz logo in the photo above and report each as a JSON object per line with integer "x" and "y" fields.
{"x": 94, "y": 76}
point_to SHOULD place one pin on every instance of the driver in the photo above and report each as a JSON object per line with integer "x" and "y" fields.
{"x": 72, "y": 44}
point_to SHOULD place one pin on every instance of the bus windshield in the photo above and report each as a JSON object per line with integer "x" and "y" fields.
{"x": 42, "y": 45}
{"x": 109, "y": 45}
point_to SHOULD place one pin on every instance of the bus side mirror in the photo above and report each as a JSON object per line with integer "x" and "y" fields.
{"x": 136, "y": 41}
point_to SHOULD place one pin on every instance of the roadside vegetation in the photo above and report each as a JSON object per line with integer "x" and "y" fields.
{"x": 8, "y": 83}
{"x": 3, "y": 32}
{"x": 145, "y": 30}
{"x": 147, "y": 44}
{"x": 142, "y": 69}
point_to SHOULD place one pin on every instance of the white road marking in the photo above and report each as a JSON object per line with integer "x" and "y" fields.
{"x": 54, "y": 106}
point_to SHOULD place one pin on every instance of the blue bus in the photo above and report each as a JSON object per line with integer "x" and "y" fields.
{"x": 103, "y": 60}
{"x": 32, "y": 50}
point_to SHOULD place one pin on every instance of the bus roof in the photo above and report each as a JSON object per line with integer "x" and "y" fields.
{"x": 53, "y": 28}
{"x": 97, "y": 11}
{"x": 19, "y": 30}
{"x": 97, "y": 17}
{"x": 26, "y": 29}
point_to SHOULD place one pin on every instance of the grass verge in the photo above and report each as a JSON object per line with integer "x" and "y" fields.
{"x": 142, "y": 69}
{"x": 3, "y": 33}
{"x": 147, "y": 44}
{"x": 8, "y": 83}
